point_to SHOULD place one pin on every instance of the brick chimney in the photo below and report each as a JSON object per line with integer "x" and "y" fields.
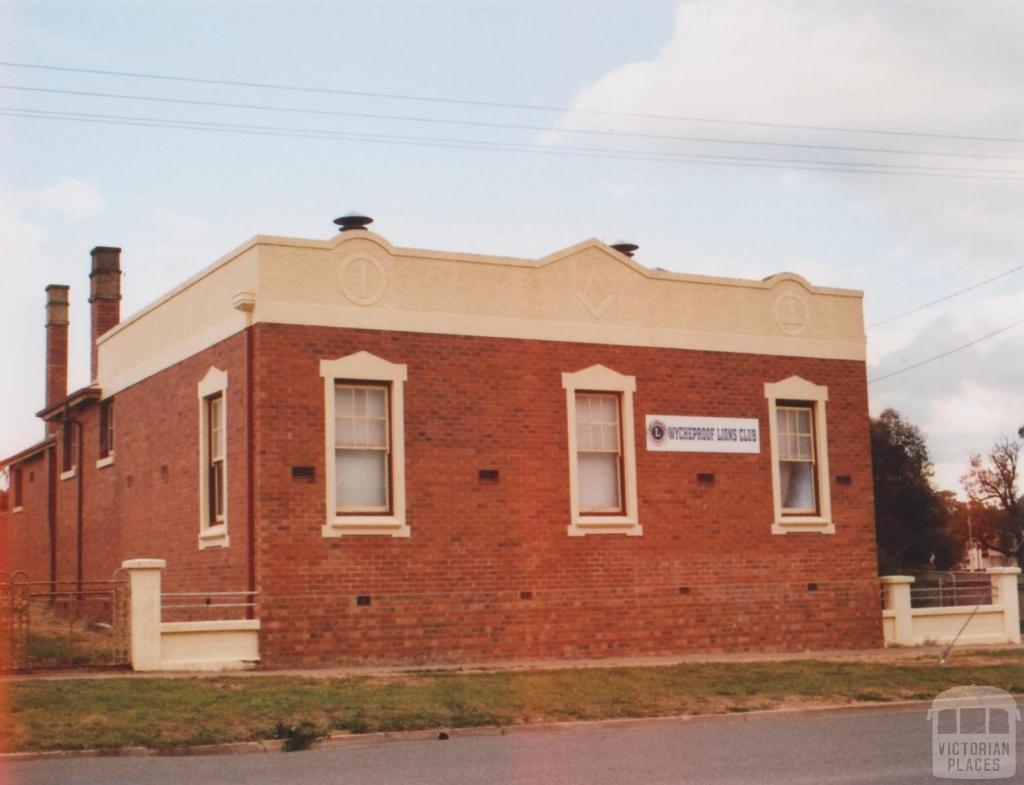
{"x": 104, "y": 296}
{"x": 56, "y": 347}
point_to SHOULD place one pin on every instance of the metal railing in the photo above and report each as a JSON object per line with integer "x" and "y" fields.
{"x": 949, "y": 589}
{"x": 208, "y": 605}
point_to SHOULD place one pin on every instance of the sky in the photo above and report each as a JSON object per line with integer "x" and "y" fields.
{"x": 715, "y": 126}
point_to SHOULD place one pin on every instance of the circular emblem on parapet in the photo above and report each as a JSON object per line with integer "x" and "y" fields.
{"x": 363, "y": 279}
{"x": 791, "y": 314}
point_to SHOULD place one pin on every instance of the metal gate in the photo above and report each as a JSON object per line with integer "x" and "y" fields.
{"x": 63, "y": 624}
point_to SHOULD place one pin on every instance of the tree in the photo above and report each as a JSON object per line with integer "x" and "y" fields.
{"x": 991, "y": 482}
{"x": 914, "y": 522}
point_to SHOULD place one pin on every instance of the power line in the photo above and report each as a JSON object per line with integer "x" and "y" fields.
{"x": 508, "y": 105}
{"x": 497, "y": 146}
{"x": 505, "y": 126}
{"x": 947, "y": 352}
{"x": 948, "y": 296}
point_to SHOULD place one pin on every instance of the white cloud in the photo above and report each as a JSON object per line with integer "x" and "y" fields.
{"x": 945, "y": 67}
{"x": 69, "y": 198}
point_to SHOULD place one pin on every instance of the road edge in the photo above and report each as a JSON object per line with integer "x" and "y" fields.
{"x": 344, "y": 739}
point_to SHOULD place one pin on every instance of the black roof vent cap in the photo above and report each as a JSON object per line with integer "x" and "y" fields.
{"x": 353, "y": 221}
{"x": 625, "y": 247}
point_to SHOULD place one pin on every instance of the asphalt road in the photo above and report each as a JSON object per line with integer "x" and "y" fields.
{"x": 889, "y": 747}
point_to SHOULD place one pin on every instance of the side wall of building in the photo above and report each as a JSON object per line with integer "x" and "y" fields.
{"x": 150, "y": 494}
{"x": 145, "y": 503}
{"x": 489, "y": 570}
{"x": 28, "y": 529}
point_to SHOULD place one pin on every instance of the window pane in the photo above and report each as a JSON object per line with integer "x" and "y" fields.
{"x": 583, "y": 436}
{"x": 598, "y": 481}
{"x": 359, "y": 430}
{"x": 361, "y": 477}
{"x": 806, "y": 450}
{"x": 375, "y": 402}
{"x": 582, "y": 407}
{"x": 360, "y": 402}
{"x": 610, "y": 440}
{"x": 343, "y": 432}
{"x": 376, "y": 434}
{"x": 803, "y": 421}
{"x": 343, "y": 406}
{"x": 218, "y": 491}
{"x": 797, "y": 481}
{"x": 608, "y": 409}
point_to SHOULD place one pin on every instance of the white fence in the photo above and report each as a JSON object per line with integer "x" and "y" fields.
{"x": 156, "y": 645}
{"x": 996, "y": 621}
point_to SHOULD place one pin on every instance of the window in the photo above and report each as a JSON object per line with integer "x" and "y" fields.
{"x": 794, "y": 422}
{"x": 362, "y": 448}
{"x": 599, "y": 452}
{"x": 69, "y": 449}
{"x": 215, "y": 440}
{"x": 365, "y": 441}
{"x": 602, "y": 452}
{"x": 213, "y": 460}
{"x": 106, "y": 433}
{"x": 17, "y": 490}
{"x": 799, "y": 454}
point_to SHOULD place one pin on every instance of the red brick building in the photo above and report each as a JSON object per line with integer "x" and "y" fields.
{"x": 423, "y": 456}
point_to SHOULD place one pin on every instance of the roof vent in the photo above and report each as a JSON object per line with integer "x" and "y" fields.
{"x": 624, "y": 247}
{"x": 353, "y": 221}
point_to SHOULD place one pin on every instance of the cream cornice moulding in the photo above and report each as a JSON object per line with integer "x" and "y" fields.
{"x": 588, "y": 292}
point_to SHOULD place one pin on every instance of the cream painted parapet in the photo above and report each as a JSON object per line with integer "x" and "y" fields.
{"x": 587, "y": 293}
{"x": 144, "y": 607}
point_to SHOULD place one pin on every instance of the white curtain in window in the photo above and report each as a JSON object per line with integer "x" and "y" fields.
{"x": 599, "y": 481}
{"x": 797, "y": 481}
{"x": 361, "y": 479}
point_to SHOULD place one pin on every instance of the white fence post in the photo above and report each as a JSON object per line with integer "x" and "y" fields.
{"x": 897, "y": 600}
{"x": 1004, "y": 591}
{"x": 144, "y": 622}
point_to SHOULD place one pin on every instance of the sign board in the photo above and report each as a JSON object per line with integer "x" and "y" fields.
{"x": 667, "y": 433}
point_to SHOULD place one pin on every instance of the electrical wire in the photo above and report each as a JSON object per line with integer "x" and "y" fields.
{"x": 497, "y": 146}
{"x": 508, "y": 105}
{"x": 504, "y": 126}
{"x": 948, "y": 352}
{"x": 950, "y": 296}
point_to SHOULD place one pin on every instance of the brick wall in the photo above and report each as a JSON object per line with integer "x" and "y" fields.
{"x": 28, "y": 535}
{"x": 146, "y": 503}
{"x": 489, "y": 571}
{"x": 149, "y": 496}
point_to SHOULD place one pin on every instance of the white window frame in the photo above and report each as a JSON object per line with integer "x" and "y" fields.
{"x": 366, "y": 367}
{"x": 599, "y": 379}
{"x": 815, "y": 396}
{"x": 212, "y": 534}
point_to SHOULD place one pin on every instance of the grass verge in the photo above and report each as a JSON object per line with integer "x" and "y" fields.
{"x": 157, "y": 713}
